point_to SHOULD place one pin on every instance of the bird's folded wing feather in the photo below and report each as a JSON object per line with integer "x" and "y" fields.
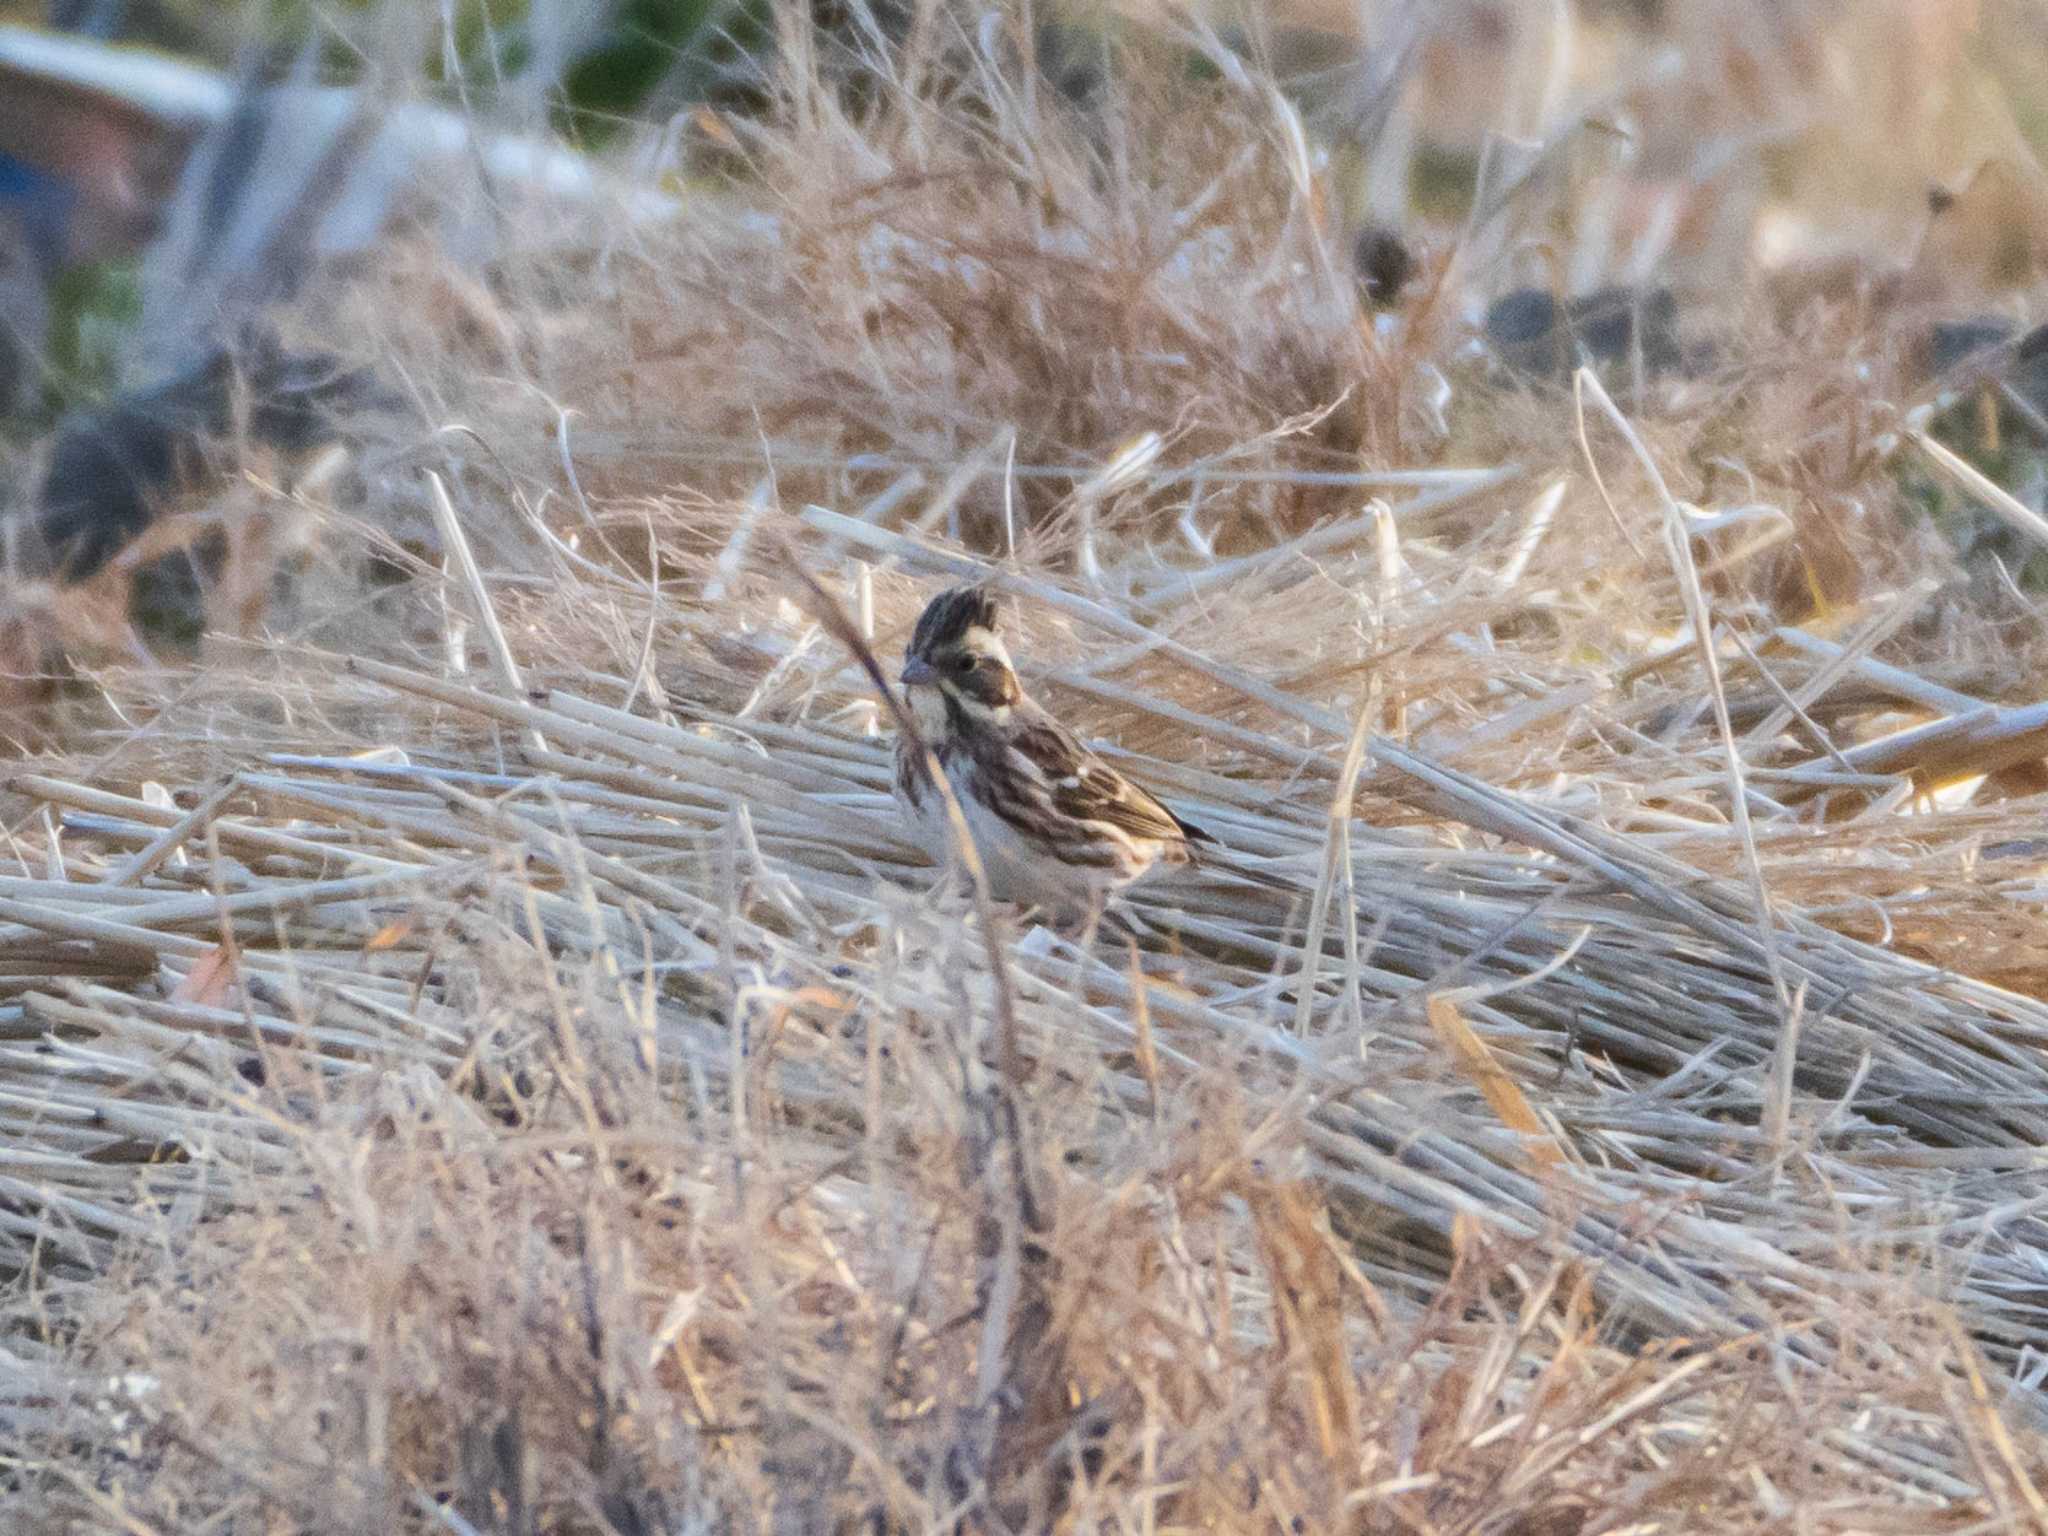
{"x": 1084, "y": 787}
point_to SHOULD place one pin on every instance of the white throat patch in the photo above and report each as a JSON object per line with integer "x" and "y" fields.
{"x": 928, "y": 709}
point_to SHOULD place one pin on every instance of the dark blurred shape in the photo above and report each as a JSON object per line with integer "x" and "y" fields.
{"x": 1983, "y": 365}
{"x": 1385, "y": 263}
{"x": 1530, "y": 334}
{"x": 167, "y": 595}
{"x": 666, "y": 56}
{"x": 24, "y": 313}
{"x": 1074, "y": 60}
{"x": 113, "y": 466}
{"x": 1522, "y": 329}
{"x": 2028, "y": 375}
{"x": 1609, "y": 325}
{"x": 203, "y": 376}
{"x": 125, "y": 21}
{"x": 2033, "y": 347}
{"x": 1646, "y": 14}
{"x": 37, "y": 207}
{"x": 1953, "y": 342}
{"x": 93, "y": 18}
{"x": 237, "y": 194}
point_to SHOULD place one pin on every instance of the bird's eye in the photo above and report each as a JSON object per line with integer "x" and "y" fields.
{"x": 966, "y": 663}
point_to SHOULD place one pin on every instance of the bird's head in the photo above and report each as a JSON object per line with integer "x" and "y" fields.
{"x": 956, "y": 670}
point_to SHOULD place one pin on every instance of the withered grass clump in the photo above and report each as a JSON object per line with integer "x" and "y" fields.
{"x": 956, "y": 254}
{"x": 418, "y": 1314}
{"x": 479, "y": 1054}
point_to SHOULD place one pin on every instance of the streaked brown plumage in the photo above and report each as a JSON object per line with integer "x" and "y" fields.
{"x": 1053, "y": 824}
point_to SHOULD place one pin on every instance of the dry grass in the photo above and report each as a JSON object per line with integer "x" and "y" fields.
{"x": 482, "y": 1057}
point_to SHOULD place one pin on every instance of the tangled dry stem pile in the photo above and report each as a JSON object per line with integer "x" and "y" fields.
{"x": 539, "y": 1092}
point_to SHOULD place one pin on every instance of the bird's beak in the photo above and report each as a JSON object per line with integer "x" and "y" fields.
{"x": 917, "y": 672}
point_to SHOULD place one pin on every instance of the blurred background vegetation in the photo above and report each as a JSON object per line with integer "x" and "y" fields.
{"x": 588, "y": 70}
{"x": 612, "y": 60}
{"x": 1689, "y": 144}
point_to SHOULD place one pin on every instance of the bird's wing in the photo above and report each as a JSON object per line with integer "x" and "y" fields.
{"x": 1086, "y": 788}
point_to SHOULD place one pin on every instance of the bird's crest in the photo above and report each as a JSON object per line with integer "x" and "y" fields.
{"x": 949, "y": 617}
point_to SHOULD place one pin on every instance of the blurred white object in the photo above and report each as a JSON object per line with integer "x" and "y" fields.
{"x": 240, "y": 188}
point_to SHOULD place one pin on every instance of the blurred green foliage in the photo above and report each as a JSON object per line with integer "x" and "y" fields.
{"x": 94, "y": 307}
{"x": 635, "y": 49}
{"x": 651, "y": 43}
{"x": 625, "y": 50}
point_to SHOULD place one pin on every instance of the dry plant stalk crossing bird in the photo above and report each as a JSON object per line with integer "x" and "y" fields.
{"x": 1054, "y": 826}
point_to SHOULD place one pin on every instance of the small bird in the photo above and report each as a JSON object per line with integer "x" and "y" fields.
{"x": 1055, "y": 827}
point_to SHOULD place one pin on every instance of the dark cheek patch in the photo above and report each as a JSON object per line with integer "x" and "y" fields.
{"x": 988, "y": 684}
{"x": 992, "y": 686}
